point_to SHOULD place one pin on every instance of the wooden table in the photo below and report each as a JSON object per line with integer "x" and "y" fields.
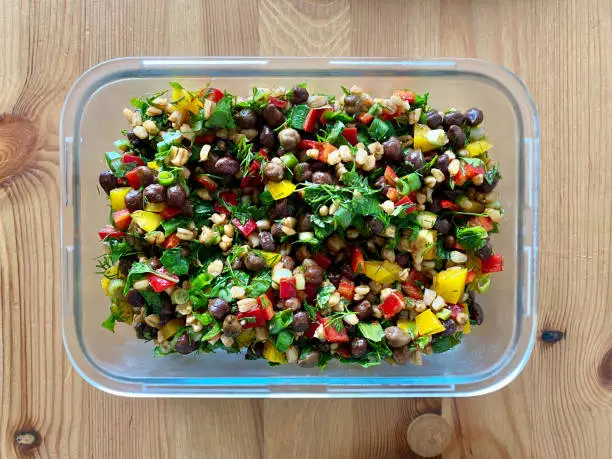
{"x": 561, "y": 404}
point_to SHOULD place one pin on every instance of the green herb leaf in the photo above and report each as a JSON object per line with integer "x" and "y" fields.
{"x": 174, "y": 262}
{"x": 280, "y": 321}
{"x": 221, "y": 116}
{"x": 284, "y": 340}
{"x": 214, "y": 331}
{"x": 312, "y": 314}
{"x": 205, "y": 319}
{"x": 259, "y": 284}
{"x": 420, "y": 101}
{"x": 323, "y": 296}
{"x": 442, "y": 252}
{"x": 446, "y": 343}
{"x": 152, "y": 300}
{"x": 119, "y": 249}
{"x": 371, "y": 331}
{"x": 345, "y": 90}
{"x": 297, "y": 116}
{"x": 343, "y": 216}
{"x": 490, "y": 174}
{"x": 379, "y": 130}
{"x": 472, "y": 237}
{"x": 137, "y": 269}
{"x": 170, "y": 226}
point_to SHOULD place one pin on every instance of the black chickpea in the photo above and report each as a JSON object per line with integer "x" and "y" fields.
{"x": 300, "y": 322}
{"x": 274, "y": 171}
{"x": 227, "y": 166}
{"x": 267, "y": 137}
{"x": 359, "y": 347}
{"x": 155, "y": 193}
{"x": 273, "y": 116}
{"x": 176, "y": 196}
{"x": 108, "y": 181}
{"x": 299, "y": 95}
{"x": 474, "y": 116}
{"x": 434, "y": 119}
{"x": 134, "y": 200}
{"x": 218, "y": 308}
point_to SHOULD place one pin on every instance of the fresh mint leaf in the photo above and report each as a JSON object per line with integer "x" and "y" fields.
{"x": 119, "y": 249}
{"x": 420, "y": 101}
{"x": 205, "y": 319}
{"x": 214, "y": 331}
{"x": 284, "y": 340}
{"x": 476, "y": 162}
{"x": 137, "y": 269}
{"x": 343, "y": 217}
{"x": 280, "y": 321}
{"x": 174, "y": 262}
{"x": 442, "y": 252}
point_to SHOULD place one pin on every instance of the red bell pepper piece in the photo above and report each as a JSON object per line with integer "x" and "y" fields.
{"x": 344, "y": 352}
{"x": 324, "y": 117}
{"x": 229, "y": 197}
{"x": 455, "y": 309}
{"x": 132, "y": 159}
{"x": 473, "y": 171}
{"x": 406, "y": 200}
{"x": 110, "y": 232}
{"x": 287, "y": 288}
{"x": 450, "y": 205}
{"x": 333, "y": 335}
{"x": 471, "y": 275}
{"x": 266, "y": 306}
{"x": 171, "y": 241}
{"x": 308, "y": 144}
{"x": 313, "y": 117}
{"x": 322, "y": 260}
{"x": 390, "y": 116}
{"x": 133, "y": 180}
{"x": 160, "y": 284}
{"x": 365, "y": 118}
{"x": 390, "y": 176}
{"x": 207, "y": 182}
{"x": 357, "y": 261}
{"x": 278, "y": 102}
{"x": 214, "y": 94}
{"x": 122, "y": 219}
{"x": 405, "y": 95}
{"x": 460, "y": 178}
{"x": 493, "y": 264}
{"x": 311, "y": 292}
{"x": 205, "y": 138}
{"x": 169, "y": 212}
{"x": 312, "y": 328}
{"x": 346, "y": 288}
{"x": 393, "y": 194}
{"x": 392, "y": 305}
{"x": 252, "y": 177}
{"x": 485, "y": 222}
{"x": 257, "y": 314}
{"x": 412, "y": 291}
{"x": 350, "y": 134}
{"x": 246, "y": 229}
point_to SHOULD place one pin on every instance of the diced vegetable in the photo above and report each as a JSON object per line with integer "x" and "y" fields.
{"x": 271, "y": 354}
{"x": 253, "y": 318}
{"x": 322, "y": 260}
{"x": 428, "y": 324}
{"x": 110, "y": 232}
{"x": 478, "y": 148}
{"x": 280, "y": 190}
{"x": 350, "y": 134}
{"x": 148, "y": 221}
{"x": 493, "y": 264}
{"x": 117, "y": 197}
{"x": 357, "y": 261}
{"x": 249, "y": 226}
{"x": 161, "y": 280}
{"x": 287, "y": 288}
{"x": 346, "y": 288}
{"x": 450, "y": 284}
{"x": 122, "y": 219}
{"x": 331, "y": 334}
{"x": 392, "y": 305}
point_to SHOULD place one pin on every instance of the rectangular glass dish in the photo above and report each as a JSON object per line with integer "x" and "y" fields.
{"x": 488, "y": 359}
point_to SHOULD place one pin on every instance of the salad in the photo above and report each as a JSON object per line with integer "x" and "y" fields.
{"x": 299, "y": 227}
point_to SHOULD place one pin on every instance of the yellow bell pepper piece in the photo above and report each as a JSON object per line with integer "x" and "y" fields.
{"x": 380, "y": 272}
{"x": 478, "y": 148}
{"x": 186, "y": 101}
{"x": 170, "y": 329}
{"x": 409, "y": 326}
{"x": 280, "y": 190}
{"x": 428, "y": 324}
{"x": 271, "y": 354}
{"x": 420, "y": 142}
{"x": 467, "y": 328}
{"x": 449, "y": 284}
{"x": 148, "y": 221}
{"x": 246, "y": 337}
{"x": 109, "y": 274}
{"x": 153, "y": 165}
{"x": 154, "y": 206}
{"x": 271, "y": 258}
{"x": 117, "y": 197}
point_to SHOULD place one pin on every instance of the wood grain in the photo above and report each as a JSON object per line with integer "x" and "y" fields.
{"x": 560, "y": 406}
